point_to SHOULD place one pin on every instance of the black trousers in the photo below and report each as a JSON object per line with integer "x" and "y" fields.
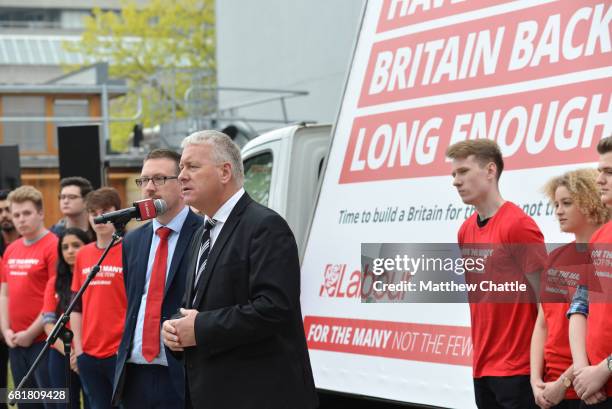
{"x": 504, "y": 392}
{"x": 4, "y": 358}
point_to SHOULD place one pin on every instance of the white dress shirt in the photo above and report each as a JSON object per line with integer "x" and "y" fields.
{"x": 222, "y": 215}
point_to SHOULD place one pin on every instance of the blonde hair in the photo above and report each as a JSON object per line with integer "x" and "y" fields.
{"x": 26, "y": 193}
{"x": 583, "y": 190}
{"x": 484, "y": 151}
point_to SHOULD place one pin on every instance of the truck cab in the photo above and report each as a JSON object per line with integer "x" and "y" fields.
{"x": 282, "y": 169}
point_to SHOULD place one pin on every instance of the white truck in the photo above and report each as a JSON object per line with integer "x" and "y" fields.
{"x": 534, "y": 75}
{"x": 282, "y": 171}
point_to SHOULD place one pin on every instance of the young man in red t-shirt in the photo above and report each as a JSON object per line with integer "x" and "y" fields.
{"x": 98, "y": 324}
{"x": 590, "y": 320}
{"x": 501, "y": 332}
{"x": 28, "y": 264}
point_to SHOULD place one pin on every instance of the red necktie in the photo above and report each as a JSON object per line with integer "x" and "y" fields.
{"x": 155, "y": 296}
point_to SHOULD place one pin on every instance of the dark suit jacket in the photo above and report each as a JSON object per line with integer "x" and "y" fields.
{"x": 136, "y": 246}
{"x": 250, "y": 346}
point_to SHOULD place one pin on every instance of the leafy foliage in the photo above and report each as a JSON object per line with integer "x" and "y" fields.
{"x": 173, "y": 37}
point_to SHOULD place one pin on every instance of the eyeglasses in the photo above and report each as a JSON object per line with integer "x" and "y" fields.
{"x": 69, "y": 197}
{"x": 157, "y": 180}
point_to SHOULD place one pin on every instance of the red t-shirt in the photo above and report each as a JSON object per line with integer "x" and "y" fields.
{"x": 599, "y": 328}
{"x": 564, "y": 271}
{"x": 27, "y": 268}
{"x": 51, "y": 298}
{"x": 501, "y": 332}
{"x": 104, "y": 301}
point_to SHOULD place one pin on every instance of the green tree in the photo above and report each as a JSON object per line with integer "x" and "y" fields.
{"x": 175, "y": 38}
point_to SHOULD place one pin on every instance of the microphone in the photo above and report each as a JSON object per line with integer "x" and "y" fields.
{"x": 142, "y": 210}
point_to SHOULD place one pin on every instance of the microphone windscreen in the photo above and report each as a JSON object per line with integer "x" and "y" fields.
{"x": 160, "y": 206}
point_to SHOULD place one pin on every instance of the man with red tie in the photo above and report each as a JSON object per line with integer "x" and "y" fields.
{"x": 154, "y": 269}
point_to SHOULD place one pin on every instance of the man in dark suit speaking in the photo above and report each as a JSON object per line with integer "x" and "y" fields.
{"x": 241, "y": 329}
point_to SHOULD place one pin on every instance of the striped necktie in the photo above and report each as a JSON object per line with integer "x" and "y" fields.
{"x": 204, "y": 251}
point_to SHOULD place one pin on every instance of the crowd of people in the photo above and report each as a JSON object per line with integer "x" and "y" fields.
{"x": 118, "y": 357}
{"x": 555, "y": 353}
{"x": 206, "y": 295}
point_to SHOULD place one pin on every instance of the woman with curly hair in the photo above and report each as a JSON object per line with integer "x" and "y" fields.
{"x": 579, "y": 210}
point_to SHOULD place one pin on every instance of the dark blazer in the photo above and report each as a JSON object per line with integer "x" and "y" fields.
{"x": 250, "y": 346}
{"x": 136, "y": 246}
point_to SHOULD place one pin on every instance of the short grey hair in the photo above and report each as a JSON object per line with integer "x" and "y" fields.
{"x": 223, "y": 150}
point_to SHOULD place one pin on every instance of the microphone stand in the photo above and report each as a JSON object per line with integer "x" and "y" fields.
{"x": 60, "y": 330}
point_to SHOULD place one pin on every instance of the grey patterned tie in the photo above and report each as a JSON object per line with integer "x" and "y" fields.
{"x": 203, "y": 253}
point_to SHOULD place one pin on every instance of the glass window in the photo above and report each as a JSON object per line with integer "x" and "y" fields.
{"x": 30, "y": 136}
{"x": 47, "y": 51}
{"x": 37, "y": 57}
{"x": 57, "y": 49}
{"x": 29, "y": 17}
{"x": 3, "y": 56}
{"x": 257, "y": 177}
{"x": 22, "y": 48}
{"x": 11, "y": 52}
{"x": 73, "y": 19}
